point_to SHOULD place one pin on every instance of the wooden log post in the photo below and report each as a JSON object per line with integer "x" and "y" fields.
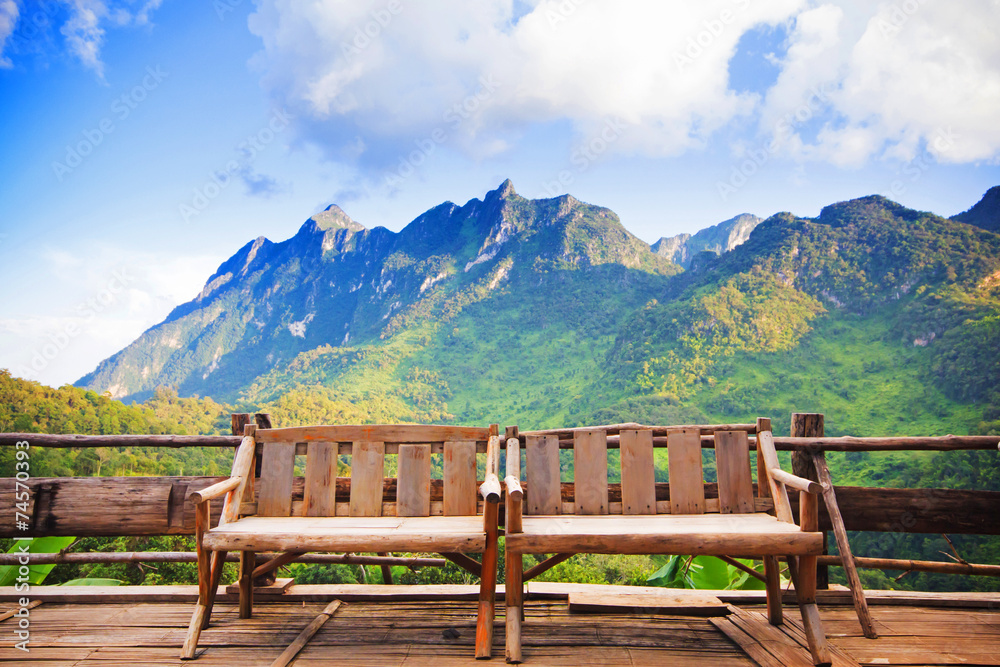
{"x": 844, "y": 547}
{"x": 809, "y": 425}
{"x": 805, "y": 584}
{"x": 514, "y": 564}
{"x": 772, "y": 566}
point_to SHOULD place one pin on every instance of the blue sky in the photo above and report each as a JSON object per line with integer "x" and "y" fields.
{"x": 147, "y": 140}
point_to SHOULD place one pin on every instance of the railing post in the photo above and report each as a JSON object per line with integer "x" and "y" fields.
{"x": 809, "y": 425}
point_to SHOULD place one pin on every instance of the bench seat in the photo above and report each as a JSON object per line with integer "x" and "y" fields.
{"x": 710, "y": 534}
{"x": 424, "y": 534}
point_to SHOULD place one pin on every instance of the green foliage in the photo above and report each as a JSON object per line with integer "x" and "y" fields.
{"x": 705, "y": 573}
{"x": 36, "y": 573}
{"x": 673, "y": 348}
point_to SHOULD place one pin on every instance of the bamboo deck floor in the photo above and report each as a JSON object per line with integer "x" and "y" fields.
{"x": 149, "y": 630}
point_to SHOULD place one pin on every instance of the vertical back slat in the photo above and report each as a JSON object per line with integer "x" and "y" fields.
{"x": 638, "y": 478}
{"x": 367, "y": 468}
{"x": 544, "y": 493}
{"x": 413, "y": 486}
{"x": 687, "y": 482}
{"x": 732, "y": 458}
{"x": 278, "y": 462}
{"x": 321, "y": 479}
{"x": 460, "y": 478}
{"x": 590, "y": 467}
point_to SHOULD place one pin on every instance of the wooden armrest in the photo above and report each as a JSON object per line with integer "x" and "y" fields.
{"x": 512, "y": 516}
{"x": 513, "y": 487}
{"x": 490, "y": 488}
{"x": 796, "y": 482}
{"x": 215, "y": 490}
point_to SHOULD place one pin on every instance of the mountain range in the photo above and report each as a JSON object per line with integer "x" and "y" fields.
{"x": 550, "y": 312}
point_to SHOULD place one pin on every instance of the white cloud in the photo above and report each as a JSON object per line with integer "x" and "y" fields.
{"x": 84, "y": 34}
{"x": 857, "y": 80}
{"x": 83, "y": 30}
{"x": 8, "y": 21}
{"x": 902, "y": 77}
{"x": 470, "y": 69}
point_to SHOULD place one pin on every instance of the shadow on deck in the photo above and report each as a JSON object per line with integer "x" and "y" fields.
{"x": 435, "y": 625}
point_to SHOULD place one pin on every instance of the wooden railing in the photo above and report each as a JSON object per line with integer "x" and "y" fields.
{"x": 151, "y": 506}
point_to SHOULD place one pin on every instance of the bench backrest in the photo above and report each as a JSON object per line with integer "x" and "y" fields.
{"x": 544, "y": 492}
{"x": 367, "y": 492}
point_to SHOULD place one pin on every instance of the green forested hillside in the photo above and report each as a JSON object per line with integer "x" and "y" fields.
{"x": 30, "y": 407}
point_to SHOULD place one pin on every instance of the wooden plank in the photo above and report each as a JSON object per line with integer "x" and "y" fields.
{"x": 361, "y": 533}
{"x": 732, "y": 458}
{"x": 277, "y": 589}
{"x": 278, "y": 462}
{"x": 796, "y": 631}
{"x": 460, "y": 478}
{"x": 590, "y": 471}
{"x": 751, "y": 534}
{"x": 782, "y": 648}
{"x": 747, "y": 643}
{"x": 413, "y": 494}
{"x": 614, "y": 429}
{"x": 391, "y": 433}
{"x": 10, "y": 612}
{"x": 638, "y": 474}
{"x": 288, "y": 655}
{"x": 367, "y": 468}
{"x": 321, "y": 479}
{"x": 687, "y": 489}
{"x": 544, "y": 495}
{"x": 668, "y": 602}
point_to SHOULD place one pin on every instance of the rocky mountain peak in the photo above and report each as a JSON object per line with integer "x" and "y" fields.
{"x": 717, "y": 239}
{"x": 333, "y": 217}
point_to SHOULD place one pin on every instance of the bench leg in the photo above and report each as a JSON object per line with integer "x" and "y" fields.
{"x": 805, "y": 591}
{"x": 218, "y": 562}
{"x": 514, "y": 592}
{"x": 247, "y": 561}
{"x": 772, "y": 576}
{"x": 487, "y": 587}
{"x": 199, "y": 619}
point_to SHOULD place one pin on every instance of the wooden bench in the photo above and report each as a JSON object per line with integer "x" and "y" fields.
{"x": 547, "y": 517}
{"x": 371, "y": 513}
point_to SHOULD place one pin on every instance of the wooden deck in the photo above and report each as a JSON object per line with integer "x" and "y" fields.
{"x": 435, "y": 626}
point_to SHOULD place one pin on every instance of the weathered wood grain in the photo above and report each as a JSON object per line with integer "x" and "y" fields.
{"x": 367, "y": 468}
{"x": 732, "y": 459}
{"x": 278, "y": 464}
{"x": 413, "y": 495}
{"x": 687, "y": 493}
{"x": 320, "y": 496}
{"x": 638, "y": 473}
{"x": 590, "y": 471}
{"x": 542, "y": 466}
{"x": 460, "y": 478}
